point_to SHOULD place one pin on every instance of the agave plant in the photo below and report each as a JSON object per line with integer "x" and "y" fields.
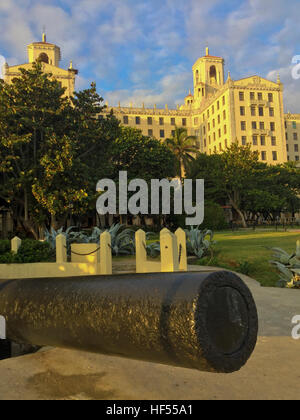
{"x": 288, "y": 266}
{"x": 50, "y": 236}
{"x": 199, "y": 242}
{"x": 122, "y": 240}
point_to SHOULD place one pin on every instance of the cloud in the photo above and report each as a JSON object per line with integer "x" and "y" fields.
{"x": 143, "y": 51}
{"x": 164, "y": 92}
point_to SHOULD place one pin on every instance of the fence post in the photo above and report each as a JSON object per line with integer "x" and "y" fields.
{"x": 15, "y": 244}
{"x": 105, "y": 254}
{"x": 61, "y": 249}
{"x": 141, "y": 252}
{"x": 169, "y": 252}
{"x": 182, "y": 254}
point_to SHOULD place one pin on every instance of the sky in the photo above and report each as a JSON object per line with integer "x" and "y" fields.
{"x": 142, "y": 51}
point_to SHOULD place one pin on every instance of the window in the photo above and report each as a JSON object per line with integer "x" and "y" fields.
{"x": 219, "y": 119}
{"x": 260, "y": 96}
{"x": 286, "y": 136}
{"x": 213, "y": 109}
{"x": 262, "y": 125}
{"x": 43, "y": 58}
{"x": 214, "y": 123}
{"x": 150, "y": 133}
{"x": 204, "y": 130}
{"x": 287, "y": 147}
{"x": 295, "y": 136}
{"x": 209, "y": 139}
{"x": 263, "y": 155}
{"x": 271, "y": 111}
{"x": 242, "y": 110}
{"x": 214, "y": 136}
{"x": 226, "y": 143}
{"x": 224, "y": 115}
{"x": 138, "y": 120}
{"x": 184, "y": 122}
{"x": 208, "y": 126}
{"x": 219, "y": 132}
{"x": 242, "y": 96}
{"x": 296, "y": 148}
{"x": 204, "y": 142}
{"x": 223, "y": 100}
{"x": 274, "y": 155}
{"x": 252, "y": 96}
{"x": 272, "y": 126}
{"x": 294, "y": 124}
{"x": 270, "y": 97}
{"x": 162, "y": 134}
{"x": 297, "y": 158}
{"x": 125, "y": 120}
{"x": 263, "y": 140}
{"x": 261, "y": 111}
{"x": 218, "y": 105}
{"x": 161, "y": 121}
{"x": 150, "y": 121}
{"x": 173, "y": 133}
{"x": 253, "y": 111}
{"x": 243, "y": 125}
{"x": 244, "y": 140}
{"x": 273, "y": 141}
{"x": 225, "y": 129}
{"x": 196, "y": 121}
{"x": 172, "y": 121}
{"x": 254, "y": 139}
{"x": 254, "y": 125}
{"x": 208, "y": 113}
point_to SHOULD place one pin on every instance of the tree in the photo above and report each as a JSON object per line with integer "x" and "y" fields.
{"x": 141, "y": 156}
{"x": 52, "y": 149}
{"x": 183, "y": 147}
{"x": 251, "y": 187}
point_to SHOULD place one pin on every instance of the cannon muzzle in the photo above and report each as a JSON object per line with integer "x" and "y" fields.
{"x": 205, "y": 321}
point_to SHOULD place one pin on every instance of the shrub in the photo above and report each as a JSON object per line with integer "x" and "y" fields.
{"x": 214, "y": 217}
{"x": 30, "y": 251}
{"x": 4, "y": 246}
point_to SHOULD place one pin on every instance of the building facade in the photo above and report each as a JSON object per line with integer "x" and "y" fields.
{"x": 219, "y": 112}
{"x": 50, "y": 56}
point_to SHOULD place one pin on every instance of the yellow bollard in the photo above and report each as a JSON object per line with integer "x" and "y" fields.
{"x": 141, "y": 252}
{"x": 15, "y": 244}
{"x": 169, "y": 252}
{"x": 181, "y": 243}
{"x": 61, "y": 249}
{"x": 105, "y": 254}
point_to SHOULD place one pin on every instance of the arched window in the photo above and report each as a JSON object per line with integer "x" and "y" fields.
{"x": 213, "y": 75}
{"x": 197, "y": 76}
{"x": 43, "y": 57}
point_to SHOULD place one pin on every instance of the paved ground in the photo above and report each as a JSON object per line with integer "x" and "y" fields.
{"x": 273, "y": 372}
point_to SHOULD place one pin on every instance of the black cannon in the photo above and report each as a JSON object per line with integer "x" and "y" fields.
{"x": 205, "y": 321}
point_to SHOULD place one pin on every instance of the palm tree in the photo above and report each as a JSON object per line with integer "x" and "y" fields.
{"x": 183, "y": 146}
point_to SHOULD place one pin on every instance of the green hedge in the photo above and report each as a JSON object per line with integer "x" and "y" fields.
{"x": 4, "y": 246}
{"x": 30, "y": 251}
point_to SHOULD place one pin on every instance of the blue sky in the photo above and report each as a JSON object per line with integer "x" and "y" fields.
{"x": 143, "y": 50}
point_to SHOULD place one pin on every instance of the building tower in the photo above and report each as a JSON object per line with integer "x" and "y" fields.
{"x": 208, "y": 73}
{"x": 50, "y": 56}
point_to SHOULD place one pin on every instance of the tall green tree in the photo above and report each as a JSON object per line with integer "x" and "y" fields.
{"x": 52, "y": 148}
{"x": 183, "y": 147}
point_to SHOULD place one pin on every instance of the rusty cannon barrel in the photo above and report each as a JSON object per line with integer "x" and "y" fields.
{"x": 205, "y": 321}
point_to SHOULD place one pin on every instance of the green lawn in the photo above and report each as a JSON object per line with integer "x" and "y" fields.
{"x": 234, "y": 249}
